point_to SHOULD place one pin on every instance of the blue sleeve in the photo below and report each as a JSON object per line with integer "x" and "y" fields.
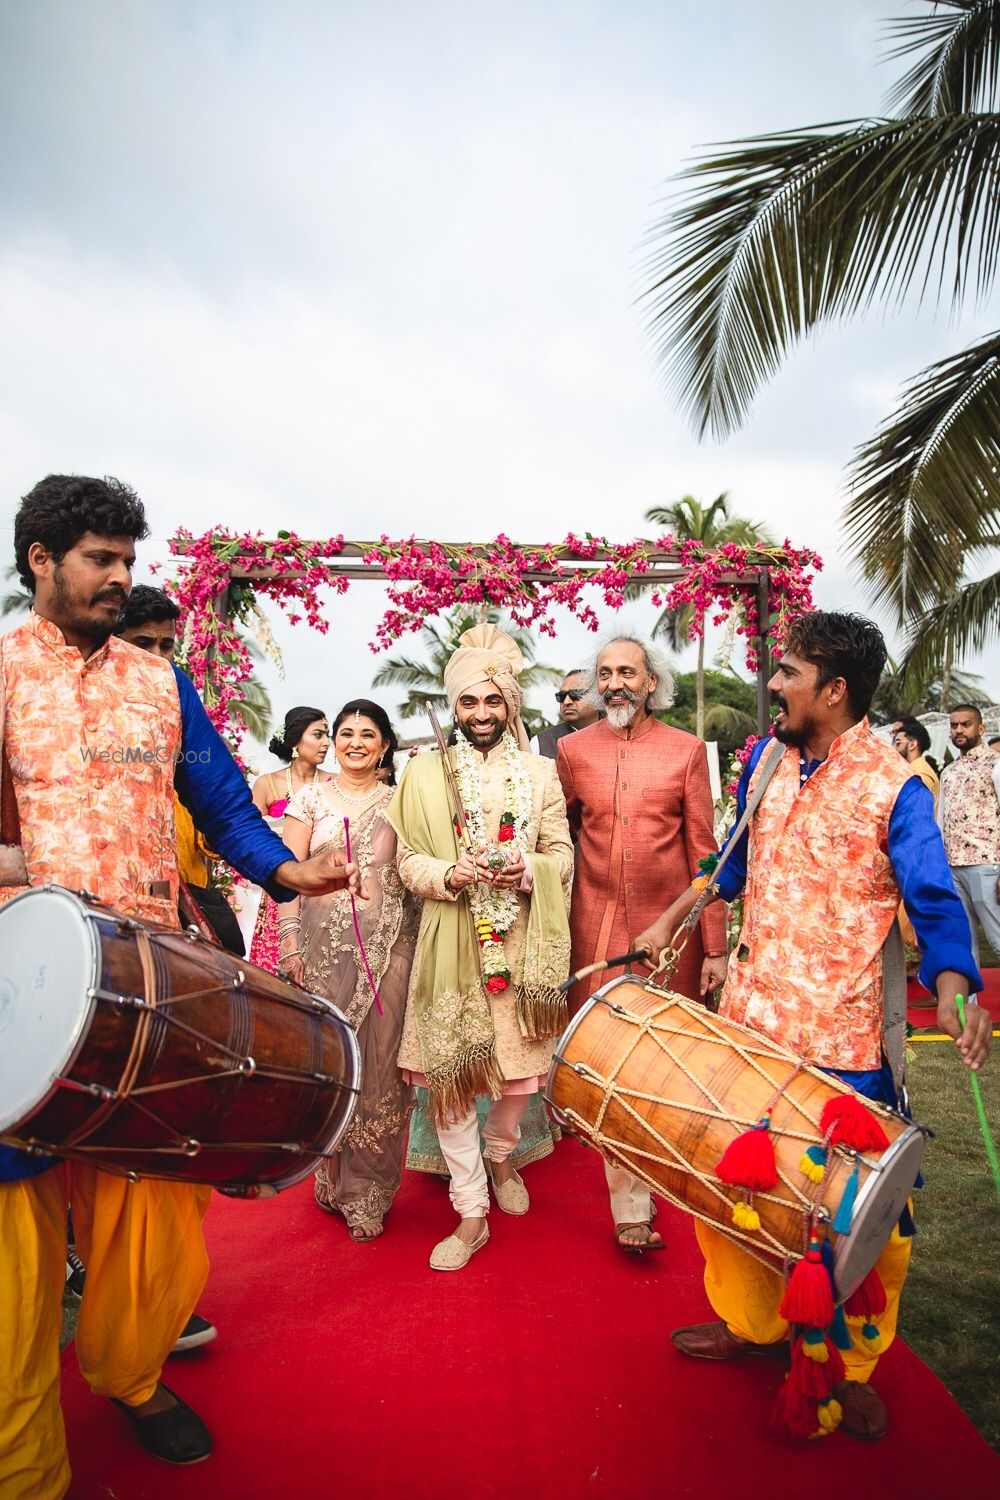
{"x": 734, "y": 876}
{"x": 16, "y": 1165}
{"x": 928, "y": 891}
{"x": 209, "y": 783}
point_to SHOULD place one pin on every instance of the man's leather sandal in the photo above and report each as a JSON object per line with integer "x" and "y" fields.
{"x": 714, "y": 1341}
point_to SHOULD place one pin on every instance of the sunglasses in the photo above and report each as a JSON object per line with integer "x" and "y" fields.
{"x": 575, "y": 693}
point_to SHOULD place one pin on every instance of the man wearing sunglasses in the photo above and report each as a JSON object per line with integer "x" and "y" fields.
{"x": 575, "y": 712}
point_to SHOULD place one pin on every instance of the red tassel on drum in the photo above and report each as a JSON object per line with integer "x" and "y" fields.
{"x": 848, "y": 1122}
{"x": 748, "y": 1161}
{"x": 808, "y": 1296}
{"x": 816, "y": 1367}
{"x": 795, "y": 1414}
{"x": 868, "y": 1299}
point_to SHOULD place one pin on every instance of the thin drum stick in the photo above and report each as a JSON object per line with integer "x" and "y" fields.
{"x": 357, "y": 925}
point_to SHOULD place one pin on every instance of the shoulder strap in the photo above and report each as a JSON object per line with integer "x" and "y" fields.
{"x": 767, "y": 765}
{"x": 894, "y": 1002}
{"x": 769, "y": 762}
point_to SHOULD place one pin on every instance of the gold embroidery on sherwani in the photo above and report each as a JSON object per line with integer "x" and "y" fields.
{"x": 462, "y": 1040}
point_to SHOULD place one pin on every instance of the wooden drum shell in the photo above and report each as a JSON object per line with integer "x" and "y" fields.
{"x": 661, "y": 1086}
{"x": 169, "y": 1091}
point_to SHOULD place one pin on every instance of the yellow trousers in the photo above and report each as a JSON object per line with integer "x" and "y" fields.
{"x": 747, "y": 1294}
{"x": 144, "y": 1250}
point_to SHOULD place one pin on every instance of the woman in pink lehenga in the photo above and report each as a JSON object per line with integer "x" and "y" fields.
{"x": 303, "y": 744}
{"x": 320, "y": 950}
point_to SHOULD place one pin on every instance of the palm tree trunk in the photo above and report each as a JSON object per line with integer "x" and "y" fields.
{"x": 699, "y": 723}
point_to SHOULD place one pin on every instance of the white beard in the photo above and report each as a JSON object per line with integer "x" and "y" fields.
{"x": 621, "y": 715}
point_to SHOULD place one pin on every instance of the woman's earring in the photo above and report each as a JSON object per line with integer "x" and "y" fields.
{"x": 295, "y": 753}
{"x": 381, "y": 758}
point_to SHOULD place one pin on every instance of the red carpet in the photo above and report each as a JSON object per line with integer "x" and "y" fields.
{"x": 923, "y": 1014}
{"x": 542, "y": 1369}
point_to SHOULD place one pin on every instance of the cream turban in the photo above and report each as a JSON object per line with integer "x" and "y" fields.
{"x": 487, "y": 655}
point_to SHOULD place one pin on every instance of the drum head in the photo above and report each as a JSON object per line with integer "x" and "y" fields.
{"x": 879, "y": 1205}
{"x": 48, "y": 960}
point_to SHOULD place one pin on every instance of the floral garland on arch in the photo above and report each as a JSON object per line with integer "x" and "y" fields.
{"x": 429, "y": 578}
{"x": 213, "y": 647}
{"x": 494, "y": 909}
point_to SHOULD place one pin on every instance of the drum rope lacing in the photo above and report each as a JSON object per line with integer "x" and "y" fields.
{"x": 631, "y": 1156}
{"x": 126, "y": 1091}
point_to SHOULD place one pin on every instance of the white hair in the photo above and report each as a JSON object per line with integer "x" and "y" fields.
{"x": 655, "y": 662}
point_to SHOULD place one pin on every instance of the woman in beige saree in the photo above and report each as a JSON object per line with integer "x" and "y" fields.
{"x": 319, "y": 949}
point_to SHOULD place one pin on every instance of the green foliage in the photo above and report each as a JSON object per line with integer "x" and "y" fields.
{"x": 730, "y": 708}
{"x": 950, "y": 1308}
{"x": 894, "y": 697}
{"x": 774, "y": 236}
{"x": 712, "y": 525}
{"x": 16, "y": 600}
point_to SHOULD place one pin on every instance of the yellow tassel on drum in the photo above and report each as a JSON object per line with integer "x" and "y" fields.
{"x": 813, "y": 1163}
{"x": 745, "y": 1217}
{"x": 872, "y": 1341}
{"x": 830, "y": 1414}
{"x": 814, "y": 1346}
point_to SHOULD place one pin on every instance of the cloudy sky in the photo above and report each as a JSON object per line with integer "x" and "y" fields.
{"x": 373, "y": 269}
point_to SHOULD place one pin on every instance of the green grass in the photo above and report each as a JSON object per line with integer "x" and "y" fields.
{"x": 950, "y": 1310}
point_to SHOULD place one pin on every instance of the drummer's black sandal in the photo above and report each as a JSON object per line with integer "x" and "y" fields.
{"x": 177, "y": 1435}
{"x": 647, "y": 1243}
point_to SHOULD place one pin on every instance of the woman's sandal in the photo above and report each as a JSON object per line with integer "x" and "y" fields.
{"x": 647, "y": 1244}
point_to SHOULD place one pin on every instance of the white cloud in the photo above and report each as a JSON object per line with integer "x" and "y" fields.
{"x": 371, "y": 269}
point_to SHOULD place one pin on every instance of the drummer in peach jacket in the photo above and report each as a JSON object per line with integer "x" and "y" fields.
{"x": 74, "y": 701}
{"x": 842, "y": 833}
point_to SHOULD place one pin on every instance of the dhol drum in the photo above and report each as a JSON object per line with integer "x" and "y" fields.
{"x": 152, "y": 1052}
{"x": 661, "y": 1086}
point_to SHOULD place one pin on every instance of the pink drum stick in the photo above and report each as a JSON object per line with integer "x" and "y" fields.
{"x": 357, "y": 926}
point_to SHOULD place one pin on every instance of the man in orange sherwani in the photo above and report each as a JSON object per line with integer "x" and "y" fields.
{"x": 639, "y": 798}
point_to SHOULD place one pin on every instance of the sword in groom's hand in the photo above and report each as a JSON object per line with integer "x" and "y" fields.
{"x": 461, "y": 820}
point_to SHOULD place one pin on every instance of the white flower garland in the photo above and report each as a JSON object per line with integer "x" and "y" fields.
{"x": 494, "y": 908}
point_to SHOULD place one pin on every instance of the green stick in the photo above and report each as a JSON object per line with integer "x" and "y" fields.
{"x": 984, "y": 1124}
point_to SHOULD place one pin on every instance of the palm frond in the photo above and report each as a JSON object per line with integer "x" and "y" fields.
{"x": 18, "y": 600}
{"x": 417, "y": 702}
{"x": 959, "y": 69}
{"x": 404, "y": 671}
{"x": 674, "y": 627}
{"x": 925, "y": 489}
{"x": 968, "y": 621}
{"x": 781, "y": 233}
{"x": 723, "y": 722}
{"x": 254, "y": 708}
{"x": 539, "y": 675}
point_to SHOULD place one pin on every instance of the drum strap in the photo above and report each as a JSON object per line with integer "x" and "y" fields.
{"x": 768, "y": 764}
{"x": 894, "y": 1003}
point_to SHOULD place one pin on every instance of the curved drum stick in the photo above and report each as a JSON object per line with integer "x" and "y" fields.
{"x": 357, "y": 927}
